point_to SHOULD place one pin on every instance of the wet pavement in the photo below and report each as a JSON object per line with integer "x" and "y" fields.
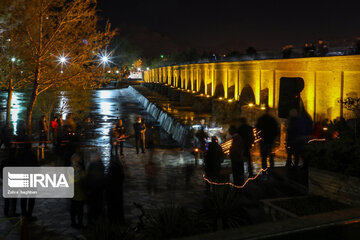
{"x": 178, "y": 178}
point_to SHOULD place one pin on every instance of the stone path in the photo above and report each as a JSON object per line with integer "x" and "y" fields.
{"x": 173, "y": 167}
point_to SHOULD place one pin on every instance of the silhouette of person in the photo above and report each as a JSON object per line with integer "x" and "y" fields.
{"x": 269, "y": 130}
{"x": 95, "y": 182}
{"x": 78, "y": 201}
{"x": 43, "y": 131}
{"x": 114, "y": 195}
{"x": 236, "y": 156}
{"x": 140, "y": 130}
{"x": 213, "y": 158}
{"x": 247, "y": 134}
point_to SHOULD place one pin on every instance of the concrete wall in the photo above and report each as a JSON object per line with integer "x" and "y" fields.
{"x": 327, "y": 80}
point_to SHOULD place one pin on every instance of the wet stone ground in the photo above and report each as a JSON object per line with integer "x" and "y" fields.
{"x": 179, "y": 179}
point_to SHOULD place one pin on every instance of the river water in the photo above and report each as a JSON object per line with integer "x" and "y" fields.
{"x": 105, "y": 106}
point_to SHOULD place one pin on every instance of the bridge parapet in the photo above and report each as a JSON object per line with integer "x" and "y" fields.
{"x": 327, "y": 81}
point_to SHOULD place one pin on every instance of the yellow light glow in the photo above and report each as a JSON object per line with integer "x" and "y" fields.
{"x": 263, "y": 108}
{"x": 230, "y": 100}
{"x": 251, "y": 104}
{"x": 220, "y": 98}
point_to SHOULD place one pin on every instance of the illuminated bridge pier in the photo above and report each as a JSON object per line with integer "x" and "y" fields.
{"x": 326, "y": 82}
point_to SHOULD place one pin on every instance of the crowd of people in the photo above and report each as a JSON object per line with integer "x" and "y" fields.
{"x": 92, "y": 185}
{"x": 98, "y": 189}
{"x": 300, "y": 129}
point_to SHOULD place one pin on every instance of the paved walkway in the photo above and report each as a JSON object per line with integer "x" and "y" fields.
{"x": 173, "y": 167}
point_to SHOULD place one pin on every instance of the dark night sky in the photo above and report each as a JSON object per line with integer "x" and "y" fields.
{"x": 165, "y": 26}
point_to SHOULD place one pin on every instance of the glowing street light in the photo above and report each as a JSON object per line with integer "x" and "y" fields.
{"x": 251, "y": 104}
{"x": 13, "y": 59}
{"x": 104, "y": 58}
{"x": 62, "y": 60}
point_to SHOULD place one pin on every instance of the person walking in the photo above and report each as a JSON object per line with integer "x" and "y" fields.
{"x": 247, "y": 134}
{"x": 236, "y": 156}
{"x": 43, "y": 131}
{"x": 213, "y": 158}
{"x": 269, "y": 130}
{"x": 95, "y": 182}
{"x": 140, "y": 129}
{"x": 114, "y": 194}
{"x": 78, "y": 201}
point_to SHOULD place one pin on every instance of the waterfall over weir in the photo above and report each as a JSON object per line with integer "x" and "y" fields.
{"x": 168, "y": 123}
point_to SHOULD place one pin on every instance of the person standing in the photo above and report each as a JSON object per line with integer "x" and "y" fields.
{"x": 54, "y": 128}
{"x": 247, "y": 134}
{"x": 43, "y": 131}
{"x": 121, "y": 133}
{"x": 213, "y": 159}
{"x": 269, "y": 130}
{"x": 140, "y": 130}
{"x": 236, "y": 156}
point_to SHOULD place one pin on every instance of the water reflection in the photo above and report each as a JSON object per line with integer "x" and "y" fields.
{"x": 64, "y": 108}
{"x": 18, "y": 108}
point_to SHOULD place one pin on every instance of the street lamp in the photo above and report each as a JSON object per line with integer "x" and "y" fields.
{"x": 62, "y": 60}
{"x": 13, "y": 59}
{"x": 104, "y": 58}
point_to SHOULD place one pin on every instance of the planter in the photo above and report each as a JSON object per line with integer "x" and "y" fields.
{"x": 275, "y": 212}
{"x": 339, "y": 187}
{"x": 296, "y": 207}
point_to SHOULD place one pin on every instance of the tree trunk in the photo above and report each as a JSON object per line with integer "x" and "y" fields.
{"x": 8, "y": 108}
{"x": 30, "y": 109}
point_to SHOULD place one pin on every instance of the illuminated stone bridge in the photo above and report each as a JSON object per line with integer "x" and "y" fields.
{"x": 327, "y": 81}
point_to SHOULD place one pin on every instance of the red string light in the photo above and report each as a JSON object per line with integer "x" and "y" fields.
{"x": 233, "y": 185}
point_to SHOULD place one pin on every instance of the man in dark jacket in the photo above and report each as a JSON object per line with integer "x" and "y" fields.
{"x": 213, "y": 159}
{"x": 247, "y": 134}
{"x": 269, "y": 130}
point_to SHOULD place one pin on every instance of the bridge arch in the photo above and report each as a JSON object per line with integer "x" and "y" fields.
{"x": 247, "y": 96}
{"x": 179, "y": 82}
{"x": 231, "y": 92}
{"x": 219, "y": 90}
{"x": 189, "y": 84}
